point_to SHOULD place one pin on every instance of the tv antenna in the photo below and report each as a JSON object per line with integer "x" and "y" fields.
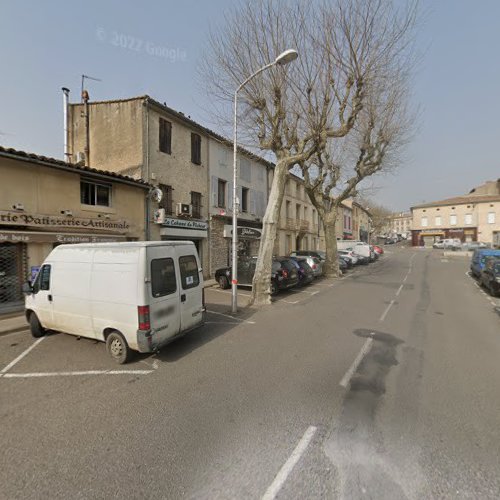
{"x": 88, "y": 78}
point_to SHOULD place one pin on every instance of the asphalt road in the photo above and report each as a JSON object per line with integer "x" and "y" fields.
{"x": 385, "y": 384}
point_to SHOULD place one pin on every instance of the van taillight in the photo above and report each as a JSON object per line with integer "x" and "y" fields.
{"x": 284, "y": 272}
{"x": 143, "y": 313}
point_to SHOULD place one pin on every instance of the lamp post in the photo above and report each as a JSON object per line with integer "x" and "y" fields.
{"x": 284, "y": 58}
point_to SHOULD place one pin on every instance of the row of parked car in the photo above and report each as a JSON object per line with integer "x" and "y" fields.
{"x": 485, "y": 267}
{"x": 301, "y": 267}
{"x": 456, "y": 244}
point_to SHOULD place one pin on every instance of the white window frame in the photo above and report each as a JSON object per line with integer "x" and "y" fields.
{"x": 468, "y": 219}
{"x": 491, "y": 217}
{"x": 453, "y": 219}
{"x": 438, "y": 220}
{"x": 424, "y": 221}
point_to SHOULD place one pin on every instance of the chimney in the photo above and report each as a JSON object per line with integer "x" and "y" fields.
{"x": 65, "y": 107}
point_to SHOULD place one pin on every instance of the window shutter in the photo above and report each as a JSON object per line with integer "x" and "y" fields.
{"x": 214, "y": 191}
{"x": 253, "y": 202}
{"x": 229, "y": 205}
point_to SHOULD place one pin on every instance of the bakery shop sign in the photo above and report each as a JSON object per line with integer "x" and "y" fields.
{"x": 66, "y": 222}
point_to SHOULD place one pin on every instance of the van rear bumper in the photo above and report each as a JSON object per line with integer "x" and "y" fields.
{"x": 146, "y": 341}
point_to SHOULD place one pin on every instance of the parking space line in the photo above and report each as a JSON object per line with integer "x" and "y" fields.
{"x": 226, "y": 292}
{"x": 399, "y": 290}
{"x": 288, "y": 466}
{"x": 365, "y": 349}
{"x": 21, "y": 356}
{"x": 13, "y": 333}
{"x": 232, "y": 317}
{"x": 78, "y": 373}
{"x": 290, "y": 301}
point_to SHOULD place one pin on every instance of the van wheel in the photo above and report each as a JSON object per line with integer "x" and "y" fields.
{"x": 274, "y": 288}
{"x": 117, "y": 348}
{"x": 223, "y": 282}
{"x": 36, "y": 328}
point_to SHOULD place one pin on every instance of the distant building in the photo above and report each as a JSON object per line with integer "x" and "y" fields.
{"x": 472, "y": 217}
{"x": 401, "y": 223}
{"x": 361, "y": 221}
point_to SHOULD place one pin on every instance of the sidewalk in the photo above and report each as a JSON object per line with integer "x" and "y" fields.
{"x": 15, "y": 323}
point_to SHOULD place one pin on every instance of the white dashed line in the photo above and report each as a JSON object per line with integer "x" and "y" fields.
{"x": 386, "y": 311}
{"x": 399, "y": 290}
{"x": 77, "y": 374}
{"x": 288, "y": 466}
{"x": 346, "y": 379}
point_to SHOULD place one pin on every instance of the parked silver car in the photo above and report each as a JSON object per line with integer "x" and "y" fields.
{"x": 314, "y": 262}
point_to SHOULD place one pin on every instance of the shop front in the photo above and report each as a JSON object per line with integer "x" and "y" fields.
{"x": 27, "y": 238}
{"x": 173, "y": 229}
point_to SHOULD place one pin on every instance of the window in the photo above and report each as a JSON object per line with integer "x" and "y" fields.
{"x": 244, "y": 199}
{"x": 165, "y": 136}
{"x": 288, "y": 209}
{"x": 221, "y": 193}
{"x": 453, "y": 220}
{"x": 196, "y": 204}
{"x": 468, "y": 218}
{"x": 189, "y": 271}
{"x": 424, "y": 222}
{"x": 491, "y": 217}
{"x": 162, "y": 277}
{"x": 196, "y": 149}
{"x": 438, "y": 220}
{"x": 45, "y": 277}
{"x": 297, "y": 212}
{"x": 92, "y": 193}
{"x": 166, "y": 200}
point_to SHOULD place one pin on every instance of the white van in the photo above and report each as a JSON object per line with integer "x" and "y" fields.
{"x": 358, "y": 247}
{"x": 135, "y": 296}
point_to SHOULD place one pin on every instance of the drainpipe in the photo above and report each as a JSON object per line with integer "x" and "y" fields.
{"x": 65, "y": 118}
{"x": 146, "y": 174}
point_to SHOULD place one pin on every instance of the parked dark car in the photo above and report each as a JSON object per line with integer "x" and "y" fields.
{"x": 490, "y": 276}
{"x": 343, "y": 266}
{"x": 306, "y": 274}
{"x": 283, "y": 274}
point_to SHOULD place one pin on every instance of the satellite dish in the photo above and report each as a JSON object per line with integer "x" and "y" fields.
{"x": 156, "y": 195}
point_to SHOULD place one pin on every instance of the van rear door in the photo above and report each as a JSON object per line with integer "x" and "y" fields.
{"x": 191, "y": 288}
{"x": 164, "y": 290}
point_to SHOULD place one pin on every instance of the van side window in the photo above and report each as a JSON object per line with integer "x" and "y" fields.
{"x": 45, "y": 277}
{"x": 189, "y": 271}
{"x": 163, "y": 280}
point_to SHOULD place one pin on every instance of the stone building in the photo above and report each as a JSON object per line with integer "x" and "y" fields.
{"x": 472, "y": 217}
{"x": 45, "y": 202}
{"x": 400, "y": 223}
{"x": 148, "y": 140}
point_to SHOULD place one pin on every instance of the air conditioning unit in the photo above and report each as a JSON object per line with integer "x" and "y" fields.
{"x": 159, "y": 216}
{"x": 183, "y": 209}
{"x": 80, "y": 157}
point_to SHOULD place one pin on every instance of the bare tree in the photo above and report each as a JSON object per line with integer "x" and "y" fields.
{"x": 294, "y": 111}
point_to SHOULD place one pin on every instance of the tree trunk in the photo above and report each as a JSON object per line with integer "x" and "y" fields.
{"x": 331, "y": 266}
{"x": 262, "y": 278}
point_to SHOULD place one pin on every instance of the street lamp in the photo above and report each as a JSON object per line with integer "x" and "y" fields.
{"x": 284, "y": 58}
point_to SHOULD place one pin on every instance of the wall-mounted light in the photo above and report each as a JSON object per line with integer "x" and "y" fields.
{"x": 69, "y": 213}
{"x": 18, "y": 206}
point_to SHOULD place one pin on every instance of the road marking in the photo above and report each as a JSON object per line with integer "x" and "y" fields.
{"x": 399, "y": 290}
{"x": 386, "y": 311}
{"x": 291, "y": 301}
{"x": 305, "y": 291}
{"x": 21, "y": 356}
{"x": 288, "y": 466}
{"x": 346, "y": 379}
{"x": 405, "y": 278}
{"x": 232, "y": 317}
{"x": 76, "y": 374}
{"x": 226, "y": 292}
{"x": 221, "y": 323}
{"x": 445, "y": 260}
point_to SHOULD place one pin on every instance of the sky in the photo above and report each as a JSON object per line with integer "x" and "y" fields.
{"x": 155, "y": 47}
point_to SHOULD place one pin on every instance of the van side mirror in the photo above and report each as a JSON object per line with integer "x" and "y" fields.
{"x": 27, "y": 288}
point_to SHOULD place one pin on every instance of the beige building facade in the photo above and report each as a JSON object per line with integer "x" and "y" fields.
{"x": 473, "y": 217}
{"x": 148, "y": 140}
{"x": 45, "y": 202}
{"x": 401, "y": 223}
{"x": 299, "y": 227}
